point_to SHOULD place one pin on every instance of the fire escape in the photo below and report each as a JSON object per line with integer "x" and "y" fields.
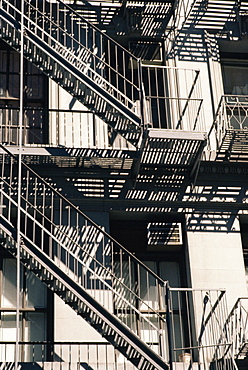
{"x": 70, "y": 253}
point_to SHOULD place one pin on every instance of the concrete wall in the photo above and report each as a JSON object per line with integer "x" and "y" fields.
{"x": 216, "y": 256}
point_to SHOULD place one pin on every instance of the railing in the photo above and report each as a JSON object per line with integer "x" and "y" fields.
{"x": 198, "y": 331}
{"x": 168, "y": 105}
{"x": 232, "y": 114}
{"x": 85, "y": 252}
{"x": 237, "y": 326}
{"x": 197, "y": 328}
{"x": 71, "y": 128}
{"x": 173, "y": 98}
{"x": 65, "y": 355}
{"x": 84, "y": 46}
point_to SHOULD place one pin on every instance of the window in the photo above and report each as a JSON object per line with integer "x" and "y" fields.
{"x": 235, "y": 78}
{"x": 35, "y": 130}
{"x": 158, "y": 241}
{"x": 36, "y": 306}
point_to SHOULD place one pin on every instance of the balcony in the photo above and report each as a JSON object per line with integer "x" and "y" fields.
{"x": 171, "y": 109}
{"x": 230, "y": 128}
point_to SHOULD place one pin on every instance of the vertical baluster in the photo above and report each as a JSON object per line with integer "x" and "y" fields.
{"x": 138, "y": 292}
{"x": 43, "y": 216}
{"x": 52, "y": 230}
{"x": 60, "y": 216}
{"x": 187, "y": 317}
{"x": 79, "y": 244}
{"x": 3, "y": 124}
{"x": 61, "y": 357}
{"x": 67, "y": 229}
{"x": 2, "y": 183}
{"x": 35, "y": 207}
{"x": 124, "y": 73}
{"x": 11, "y": 161}
{"x": 116, "y": 68}
{"x": 26, "y": 202}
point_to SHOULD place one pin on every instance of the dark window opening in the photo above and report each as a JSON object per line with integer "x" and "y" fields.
{"x": 35, "y": 125}
{"x": 235, "y": 78}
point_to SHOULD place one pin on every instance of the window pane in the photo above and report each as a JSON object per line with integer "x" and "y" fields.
{"x": 148, "y": 290}
{"x": 8, "y": 333}
{"x": 36, "y": 291}
{"x": 235, "y": 80}
{"x": 35, "y": 330}
{"x": 170, "y": 271}
{"x": 9, "y": 283}
{"x": 8, "y": 326}
{"x": 35, "y": 326}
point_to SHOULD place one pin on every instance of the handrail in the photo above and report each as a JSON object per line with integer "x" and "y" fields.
{"x": 107, "y": 271}
{"x": 66, "y": 242}
{"x": 133, "y": 257}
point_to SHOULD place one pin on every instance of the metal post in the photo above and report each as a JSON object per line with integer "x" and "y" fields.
{"x": 18, "y": 269}
{"x": 168, "y": 321}
{"x": 142, "y": 95}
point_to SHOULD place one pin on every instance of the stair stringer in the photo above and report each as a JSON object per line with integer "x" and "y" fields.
{"x": 92, "y": 94}
{"x": 112, "y": 329}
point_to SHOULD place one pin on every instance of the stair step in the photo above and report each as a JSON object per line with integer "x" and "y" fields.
{"x": 135, "y": 361}
{"x": 98, "y": 327}
{"x": 61, "y": 294}
{"x": 25, "y": 261}
{"x": 72, "y": 303}
{"x": 122, "y": 348}
{"x": 37, "y": 271}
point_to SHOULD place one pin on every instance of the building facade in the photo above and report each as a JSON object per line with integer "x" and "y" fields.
{"x": 123, "y": 193}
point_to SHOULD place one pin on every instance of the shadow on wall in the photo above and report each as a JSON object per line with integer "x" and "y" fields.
{"x": 207, "y": 222}
{"x": 194, "y": 45}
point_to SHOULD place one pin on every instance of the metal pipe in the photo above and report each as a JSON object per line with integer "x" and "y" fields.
{"x": 18, "y": 265}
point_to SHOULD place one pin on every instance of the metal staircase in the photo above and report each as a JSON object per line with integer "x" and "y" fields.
{"x": 83, "y": 265}
{"x": 87, "y": 63}
{"x": 101, "y": 74}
